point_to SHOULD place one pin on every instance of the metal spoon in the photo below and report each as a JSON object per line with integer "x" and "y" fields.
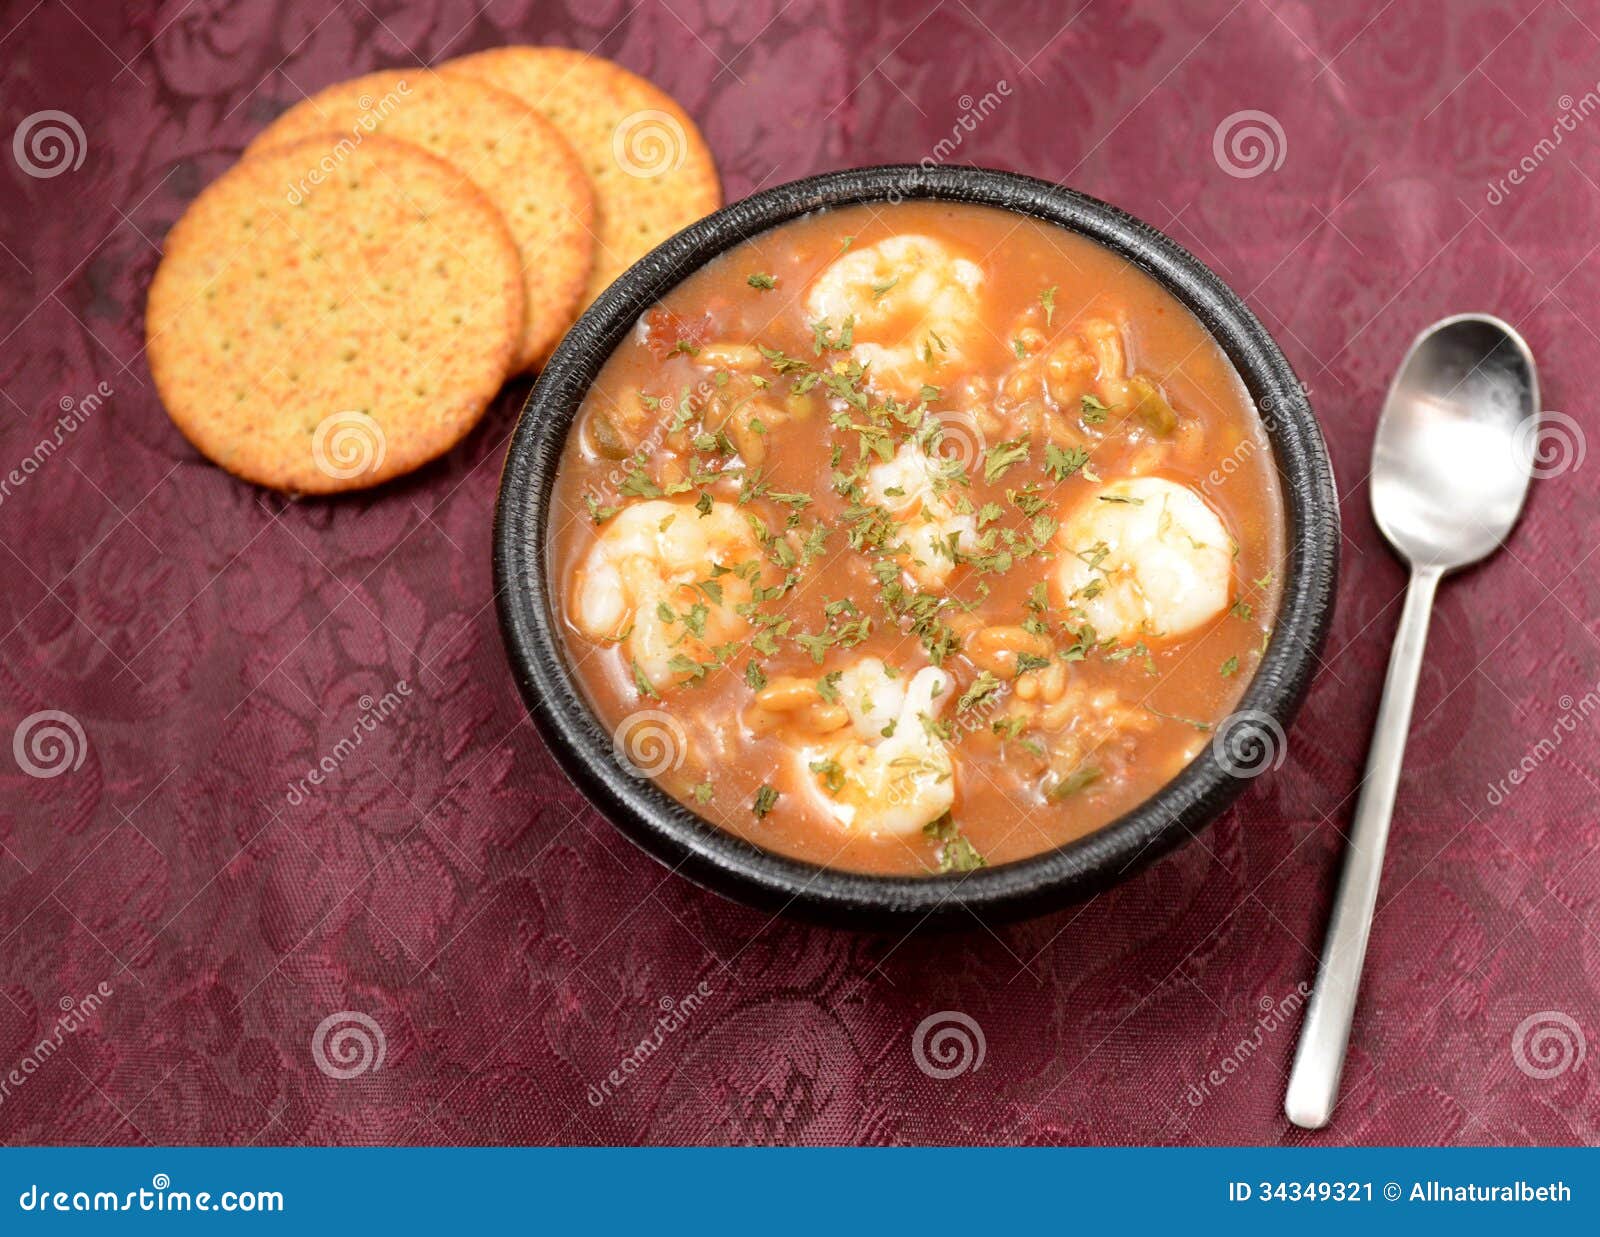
{"x": 1450, "y": 468}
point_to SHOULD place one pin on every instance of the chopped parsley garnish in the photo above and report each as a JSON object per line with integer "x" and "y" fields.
{"x": 1030, "y": 661}
{"x": 680, "y": 663}
{"x": 764, "y": 282}
{"x": 955, "y": 853}
{"x": 1062, "y": 462}
{"x": 1009, "y": 727}
{"x": 1173, "y": 717}
{"x": 1084, "y": 641}
{"x": 638, "y": 484}
{"x": 694, "y": 618}
{"x": 766, "y": 800}
{"x": 959, "y": 855}
{"x": 1047, "y": 298}
{"x": 983, "y": 688}
{"x": 998, "y": 458}
{"x": 823, "y": 340}
{"x": 831, "y": 773}
{"x": 1070, "y": 784}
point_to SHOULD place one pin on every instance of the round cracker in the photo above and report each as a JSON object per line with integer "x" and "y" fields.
{"x": 329, "y": 316}
{"x": 505, "y": 147}
{"x": 651, "y": 170}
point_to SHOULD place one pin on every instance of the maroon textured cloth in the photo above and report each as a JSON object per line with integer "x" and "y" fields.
{"x": 213, "y": 641}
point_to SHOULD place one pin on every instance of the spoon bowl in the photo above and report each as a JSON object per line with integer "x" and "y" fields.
{"x": 1449, "y": 466}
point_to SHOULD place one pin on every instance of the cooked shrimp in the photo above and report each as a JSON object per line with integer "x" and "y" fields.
{"x": 916, "y": 489}
{"x": 891, "y": 773}
{"x": 640, "y": 585}
{"x": 1145, "y": 558}
{"x": 913, "y": 304}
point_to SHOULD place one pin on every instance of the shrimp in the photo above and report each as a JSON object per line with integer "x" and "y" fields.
{"x": 914, "y": 488}
{"x": 890, "y": 772}
{"x": 1145, "y": 558}
{"x": 666, "y": 584}
{"x": 912, "y": 305}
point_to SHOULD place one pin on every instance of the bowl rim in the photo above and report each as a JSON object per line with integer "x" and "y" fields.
{"x": 726, "y": 863}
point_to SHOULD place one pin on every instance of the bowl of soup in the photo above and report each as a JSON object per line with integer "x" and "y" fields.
{"x": 915, "y": 544}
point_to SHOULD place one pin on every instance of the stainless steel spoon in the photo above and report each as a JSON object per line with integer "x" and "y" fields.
{"x": 1450, "y": 468}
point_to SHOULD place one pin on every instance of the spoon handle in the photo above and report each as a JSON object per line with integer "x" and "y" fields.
{"x": 1319, "y": 1060}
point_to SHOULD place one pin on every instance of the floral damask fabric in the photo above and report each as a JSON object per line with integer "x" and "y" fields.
{"x": 441, "y": 942}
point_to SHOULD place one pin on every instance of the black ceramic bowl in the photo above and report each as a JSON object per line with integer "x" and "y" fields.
{"x": 731, "y": 866}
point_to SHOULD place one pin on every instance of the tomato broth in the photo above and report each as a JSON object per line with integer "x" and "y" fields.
{"x": 912, "y": 538}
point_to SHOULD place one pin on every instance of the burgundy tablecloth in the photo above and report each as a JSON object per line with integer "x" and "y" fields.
{"x": 505, "y": 949}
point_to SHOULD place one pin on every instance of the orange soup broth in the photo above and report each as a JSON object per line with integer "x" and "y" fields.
{"x": 1138, "y": 711}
